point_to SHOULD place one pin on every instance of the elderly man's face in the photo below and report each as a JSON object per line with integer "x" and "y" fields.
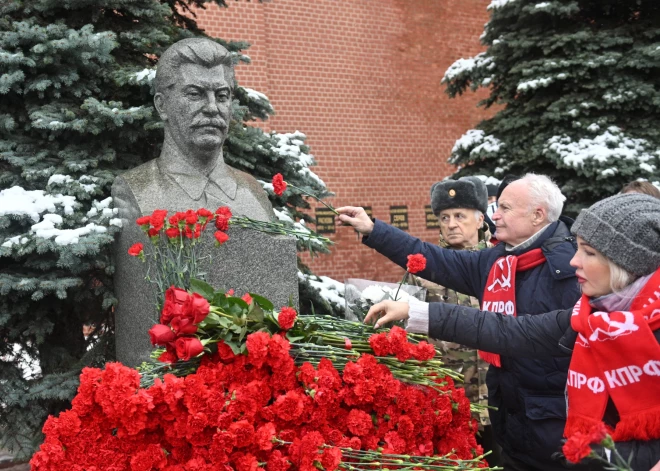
{"x": 515, "y": 220}
{"x": 460, "y": 227}
{"x": 197, "y": 109}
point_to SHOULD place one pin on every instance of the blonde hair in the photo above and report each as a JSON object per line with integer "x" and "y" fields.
{"x": 619, "y": 278}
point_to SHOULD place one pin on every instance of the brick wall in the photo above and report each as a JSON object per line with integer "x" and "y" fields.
{"x": 361, "y": 78}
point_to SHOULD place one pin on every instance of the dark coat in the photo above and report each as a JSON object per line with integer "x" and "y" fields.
{"x": 527, "y": 392}
{"x": 538, "y": 336}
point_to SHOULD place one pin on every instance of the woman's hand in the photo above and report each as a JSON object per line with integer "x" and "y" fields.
{"x": 656, "y": 467}
{"x": 387, "y": 311}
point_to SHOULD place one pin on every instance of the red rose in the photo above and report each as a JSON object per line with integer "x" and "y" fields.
{"x": 279, "y": 185}
{"x": 220, "y": 237}
{"x": 188, "y": 347}
{"x": 230, "y": 292}
{"x": 161, "y": 335}
{"x": 416, "y": 263}
{"x": 225, "y": 352}
{"x": 175, "y": 300}
{"x": 158, "y": 219}
{"x": 167, "y": 357}
{"x": 183, "y": 325}
{"x": 172, "y": 232}
{"x": 247, "y": 298}
{"x": 143, "y": 221}
{"x": 197, "y": 307}
{"x": 286, "y": 317}
{"x": 136, "y": 249}
{"x": 577, "y": 447}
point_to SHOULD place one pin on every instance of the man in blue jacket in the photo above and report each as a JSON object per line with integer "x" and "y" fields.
{"x": 528, "y": 272}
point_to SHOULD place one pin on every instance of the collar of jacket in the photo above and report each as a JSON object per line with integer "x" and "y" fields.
{"x": 173, "y": 163}
{"x": 558, "y": 246}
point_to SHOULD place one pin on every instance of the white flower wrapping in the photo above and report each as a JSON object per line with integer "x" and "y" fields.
{"x": 378, "y": 293}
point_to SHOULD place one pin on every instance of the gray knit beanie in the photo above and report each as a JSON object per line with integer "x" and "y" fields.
{"x": 624, "y": 228}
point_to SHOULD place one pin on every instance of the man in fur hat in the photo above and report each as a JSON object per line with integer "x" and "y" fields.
{"x": 460, "y": 205}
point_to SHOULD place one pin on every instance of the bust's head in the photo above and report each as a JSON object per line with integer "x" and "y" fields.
{"x": 194, "y": 87}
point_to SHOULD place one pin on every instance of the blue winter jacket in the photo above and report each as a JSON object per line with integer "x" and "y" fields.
{"x": 527, "y": 392}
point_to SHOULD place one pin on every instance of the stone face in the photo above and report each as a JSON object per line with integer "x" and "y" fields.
{"x": 194, "y": 85}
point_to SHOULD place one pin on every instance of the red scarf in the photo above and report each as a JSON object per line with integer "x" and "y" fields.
{"x": 500, "y": 293}
{"x": 617, "y": 356}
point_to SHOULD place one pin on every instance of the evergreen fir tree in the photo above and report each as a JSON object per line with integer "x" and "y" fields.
{"x": 76, "y": 110}
{"x": 577, "y": 87}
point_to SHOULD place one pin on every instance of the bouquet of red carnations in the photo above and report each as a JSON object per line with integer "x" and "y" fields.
{"x": 236, "y": 384}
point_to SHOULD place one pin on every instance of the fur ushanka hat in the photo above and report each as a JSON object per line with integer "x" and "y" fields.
{"x": 466, "y": 192}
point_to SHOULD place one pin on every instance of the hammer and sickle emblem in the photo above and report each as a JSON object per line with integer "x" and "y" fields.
{"x": 614, "y": 328}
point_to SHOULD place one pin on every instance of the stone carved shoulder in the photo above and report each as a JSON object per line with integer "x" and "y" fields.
{"x": 135, "y": 186}
{"x": 253, "y": 186}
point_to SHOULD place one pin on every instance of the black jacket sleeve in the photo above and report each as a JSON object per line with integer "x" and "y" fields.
{"x": 526, "y": 335}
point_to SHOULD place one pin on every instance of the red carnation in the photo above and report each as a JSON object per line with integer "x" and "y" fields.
{"x": 220, "y": 237}
{"x": 222, "y": 214}
{"x": 158, "y": 219}
{"x": 264, "y": 436}
{"x": 188, "y": 347}
{"x": 290, "y": 406}
{"x": 191, "y": 217}
{"x": 152, "y": 232}
{"x": 287, "y": 317}
{"x": 161, "y": 335}
{"x": 204, "y": 213}
{"x": 279, "y": 185}
{"x": 348, "y": 344}
{"x": 151, "y": 457}
{"x": 172, "y": 232}
{"x": 331, "y": 458}
{"x": 416, "y": 263}
{"x": 423, "y": 351}
{"x": 359, "y": 422}
{"x": 136, "y": 249}
{"x": 577, "y": 447}
{"x": 278, "y": 462}
{"x": 143, "y": 221}
{"x": 257, "y": 347}
{"x": 597, "y": 433}
{"x": 380, "y": 344}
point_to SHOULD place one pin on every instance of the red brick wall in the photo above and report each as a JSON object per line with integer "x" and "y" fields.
{"x": 361, "y": 78}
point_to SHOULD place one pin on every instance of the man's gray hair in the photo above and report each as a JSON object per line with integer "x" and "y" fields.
{"x": 198, "y": 51}
{"x": 545, "y": 193}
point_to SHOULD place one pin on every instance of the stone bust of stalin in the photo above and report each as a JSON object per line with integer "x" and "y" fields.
{"x": 194, "y": 87}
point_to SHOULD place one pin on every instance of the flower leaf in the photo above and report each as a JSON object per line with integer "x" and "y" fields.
{"x": 202, "y": 288}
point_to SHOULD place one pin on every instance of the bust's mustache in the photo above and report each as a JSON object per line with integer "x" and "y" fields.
{"x": 210, "y": 122}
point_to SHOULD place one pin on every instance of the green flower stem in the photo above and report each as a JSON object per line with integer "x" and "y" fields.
{"x": 315, "y": 197}
{"x": 396, "y": 295}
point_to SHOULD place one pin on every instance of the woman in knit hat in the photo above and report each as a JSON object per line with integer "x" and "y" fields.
{"x": 612, "y": 334}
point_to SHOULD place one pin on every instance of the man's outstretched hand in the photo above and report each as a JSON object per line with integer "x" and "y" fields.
{"x": 356, "y": 217}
